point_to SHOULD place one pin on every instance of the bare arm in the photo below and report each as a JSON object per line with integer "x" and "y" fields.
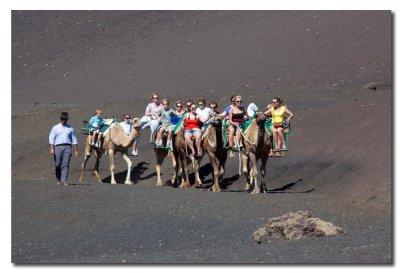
{"x": 223, "y": 114}
{"x": 230, "y": 115}
{"x": 291, "y": 115}
{"x": 147, "y": 112}
{"x": 204, "y": 120}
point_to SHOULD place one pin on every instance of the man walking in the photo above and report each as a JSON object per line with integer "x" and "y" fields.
{"x": 62, "y": 138}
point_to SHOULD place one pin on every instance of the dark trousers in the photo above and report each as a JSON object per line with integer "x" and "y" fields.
{"x": 62, "y": 157}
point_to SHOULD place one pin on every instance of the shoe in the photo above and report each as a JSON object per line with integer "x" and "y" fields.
{"x": 135, "y": 152}
{"x": 59, "y": 183}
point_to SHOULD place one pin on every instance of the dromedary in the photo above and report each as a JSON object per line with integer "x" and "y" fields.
{"x": 114, "y": 141}
{"x": 213, "y": 145}
{"x": 160, "y": 156}
{"x": 182, "y": 159}
{"x": 256, "y": 145}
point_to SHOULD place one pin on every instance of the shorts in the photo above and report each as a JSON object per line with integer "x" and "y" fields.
{"x": 167, "y": 128}
{"x": 92, "y": 129}
{"x": 193, "y": 131}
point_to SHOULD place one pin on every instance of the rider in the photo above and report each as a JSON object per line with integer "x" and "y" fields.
{"x": 237, "y": 115}
{"x": 166, "y": 124}
{"x": 127, "y": 127}
{"x": 192, "y": 128}
{"x": 179, "y": 110}
{"x": 203, "y": 111}
{"x": 95, "y": 124}
{"x": 153, "y": 110}
{"x": 213, "y": 106}
{"x": 278, "y": 111}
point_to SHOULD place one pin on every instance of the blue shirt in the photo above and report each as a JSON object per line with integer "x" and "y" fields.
{"x": 95, "y": 122}
{"x": 62, "y": 135}
{"x": 175, "y": 119}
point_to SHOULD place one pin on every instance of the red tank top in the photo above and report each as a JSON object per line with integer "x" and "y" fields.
{"x": 192, "y": 124}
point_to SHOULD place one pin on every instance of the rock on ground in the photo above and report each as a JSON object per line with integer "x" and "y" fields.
{"x": 295, "y": 226}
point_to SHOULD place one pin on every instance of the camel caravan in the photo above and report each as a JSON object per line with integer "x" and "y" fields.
{"x": 185, "y": 135}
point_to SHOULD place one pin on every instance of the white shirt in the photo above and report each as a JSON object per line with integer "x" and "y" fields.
{"x": 126, "y": 126}
{"x": 205, "y": 113}
{"x": 62, "y": 135}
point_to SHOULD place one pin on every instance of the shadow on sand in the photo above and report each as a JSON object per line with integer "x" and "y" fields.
{"x": 136, "y": 173}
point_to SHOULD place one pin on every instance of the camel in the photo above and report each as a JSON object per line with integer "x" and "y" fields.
{"x": 213, "y": 145}
{"x": 181, "y": 157}
{"x": 114, "y": 141}
{"x": 256, "y": 145}
{"x": 160, "y": 156}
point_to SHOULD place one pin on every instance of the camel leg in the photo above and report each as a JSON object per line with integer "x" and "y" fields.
{"x": 175, "y": 165}
{"x": 128, "y": 161}
{"x": 214, "y": 171}
{"x": 245, "y": 166}
{"x": 160, "y": 155}
{"x": 83, "y": 167}
{"x": 112, "y": 165}
{"x": 254, "y": 173}
{"x": 215, "y": 163}
{"x": 196, "y": 164}
{"x": 185, "y": 172}
{"x": 222, "y": 160}
{"x": 263, "y": 187}
{"x": 97, "y": 155}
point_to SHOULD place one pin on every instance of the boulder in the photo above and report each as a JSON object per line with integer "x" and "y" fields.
{"x": 295, "y": 226}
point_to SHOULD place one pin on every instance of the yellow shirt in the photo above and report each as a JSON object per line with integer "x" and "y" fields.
{"x": 278, "y": 115}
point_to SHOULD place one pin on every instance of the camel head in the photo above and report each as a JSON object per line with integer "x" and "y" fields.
{"x": 136, "y": 126}
{"x": 136, "y": 123}
{"x": 215, "y": 121}
{"x": 260, "y": 118}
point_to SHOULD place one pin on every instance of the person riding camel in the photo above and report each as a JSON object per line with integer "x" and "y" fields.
{"x": 166, "y": 123}
{"x": 149, "y": 119}
{"x": 278, "y": 111}
{"x": 237, "y": 115}
{"x": 192, "y": 128}
{"x": 203, "y": 111}
{"x": 95, "y": 124}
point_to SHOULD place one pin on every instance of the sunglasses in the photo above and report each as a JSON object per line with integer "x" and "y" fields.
{"x": 154, "y": 98}
{"x": 193, "y": 108}
{"x": 179, "y": 106}
{"x": 238, "y": 101}
{"x": 274, "y": 102}
{"x": 200, "y": 104}
{"x": 127, "y": 117}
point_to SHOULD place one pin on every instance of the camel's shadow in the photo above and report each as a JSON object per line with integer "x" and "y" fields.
{"x": 136, "y": 173}
{"x": 283, "y": 189}
{"x": 289, "y": 186}
{"x": 205, "y": 170}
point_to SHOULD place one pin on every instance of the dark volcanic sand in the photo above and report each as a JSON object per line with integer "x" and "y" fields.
{"x": 338, "y": 166}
